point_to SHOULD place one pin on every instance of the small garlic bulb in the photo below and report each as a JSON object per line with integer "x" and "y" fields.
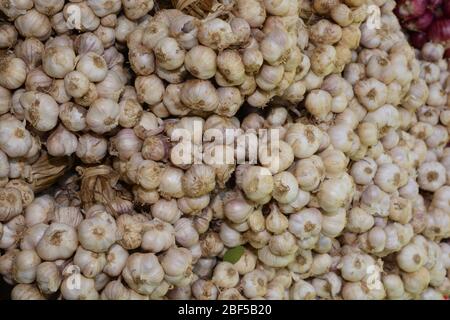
{"x": 76, "y": 84}
{"x": 143, "y": 273}
{"x": 150, "y": 89}
{"x": 130, "y": 231}
{"x": 254, "y": 284}
{"x": 32, "y": 236}
{"x": 58, "y": 242}
{"x": 171, "y": 185}
{"x": 91, "y": 148}
{"x": 176, "y": 261}
{"x": 285, "y": 187}
{"x": 61, "y": 142}
{"x": 216, "y": 34}
{"x": 225, "y": 275}
{"x": 257, "y": 183}
{"x": 304, "y": 139}
{"x": 41, "y": 110}
{"x": 136, "y": 9}
{"x": 93, "y": 66}
{"x": 33, "y": 24}
{"x": 306, "y": 223}
{"x": 200, "y": 61}
{"x": 185, "y": 233}
{"x": 166, "y": 210}
{"x": 116, "y": 259}
{"x": 431, "y": 176}
{"x": 142, "y": 61}
{"x": 11, "y": 203}
{"x": 90, "y": 263}
{"x": 8, "y": 36}
{"x": 199, "y": 95}
{"x": 15, "y": 139}
{"x": 111, "y": 86}
{"x": 58, "y": 61}
{"x": 84, "y": 291}
{"x": 26, "y": 292}
{"x": 98, "y": 233}
{"x": 237, "y": 210}
{"x": 73, "y": 116}
{"x": 204, "y": 290}
{"x": 169, "y": 54}
{"x": 48, "y": 277}
{"x": 198, "y": 180}
{"x": 40, "y": 210}
{"x": 302, "y": 290}
{"x": 157, "y": 236}
{"x": 103, "y": 115}
{"x": 25, "y": 266}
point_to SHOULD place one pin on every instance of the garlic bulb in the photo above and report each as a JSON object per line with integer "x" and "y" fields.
{"x": 198, "y": 180}
{"x": 199, "y": 95}
{"x": 25, "y": 266}
{"x": 48, "y": 277}
{"x": 72, "y": 116}
{"x": 91, "y": 148}
{"x": 76, "y": 84}
{"x": 33, "y": 24}
{"x": 143, "y": 273}
{"x": 169, "y": 54}
{"x": 26, "y": 292}
{"x": 157, "y": 236}
{"x": 304, "y": 139}
{"x": 215, "y": 34}
{"x": 103, "y": 115}
{"x": 58, "y": 61}
{"x": 200, "y": 61}
{"x": 84, "y": 291}
{"x": 15, "y": 140}
{"x": 176, "y": 261}
{"x": 98, "y": 233}
{"x": 90, "y": 263}
{"x": 12, "y": 205}
{"x": 61, "y": 142}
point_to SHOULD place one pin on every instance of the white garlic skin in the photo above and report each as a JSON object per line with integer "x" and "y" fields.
{"x": 59, "y": 242}
{"x": 48, "y": 277}
{"x": 61, "y": 142}
{"x": 91, "y": 148}
{"x": 90, "y": 263}
{"x": 25, "y": 266}
{"x": 143, "y": 273}
{"x": 103, "y": 115}
{"x": 85, "y": 291}
{"x": 97, "y": 233}
{"x": 158, "y": 236}
{"x": 26, "y": 292}
{"x": 58, "y": 61}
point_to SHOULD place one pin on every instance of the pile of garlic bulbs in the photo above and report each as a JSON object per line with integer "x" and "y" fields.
{"x": 273, "y": 149}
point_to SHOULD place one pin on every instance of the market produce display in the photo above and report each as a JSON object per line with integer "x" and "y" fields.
{"x": 232, "y": 149}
